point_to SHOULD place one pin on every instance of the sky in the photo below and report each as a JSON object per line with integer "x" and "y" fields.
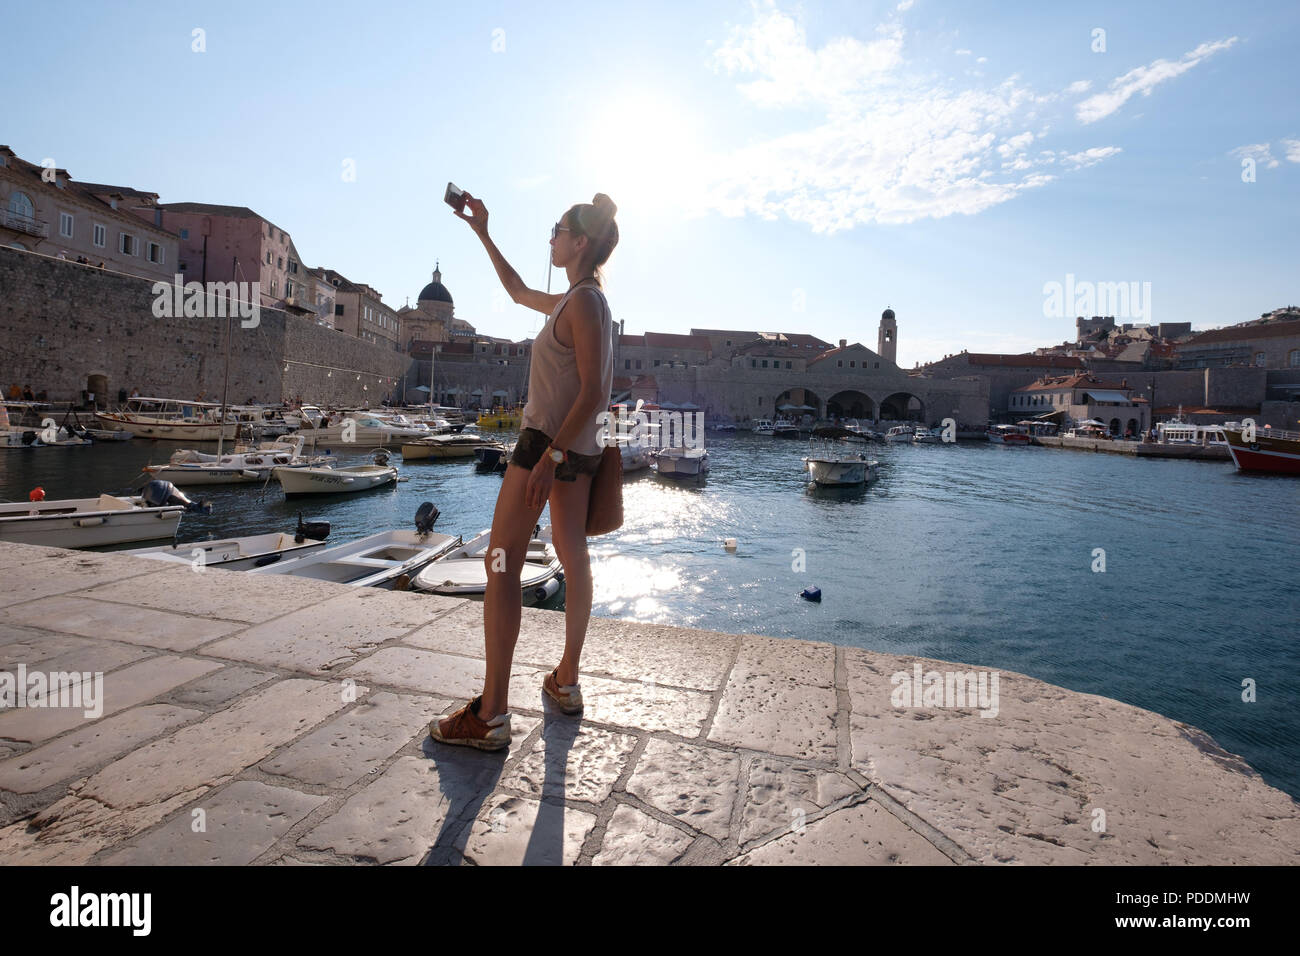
{"x": 785, "y": 167}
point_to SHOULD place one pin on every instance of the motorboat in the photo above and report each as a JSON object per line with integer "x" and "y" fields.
{"x": 836, "y": 457}
{"x": 900, "y": 433}
{"x": 446, "y": 446}
{"x": 242, "y": 554}
{"x": 247, "y": 463}
{"x": 91, "y": 522}
{"x": 784, "y": 428}
{"x": 389, "y": 559}
{"x": 462, "y": 572}
{"x": 1009, "y": 435}
{"x": 361, "y": 430}
{"x": 761, "y": 426}
{"x": 171, "y": 419}
{"x": 680, "y": 462}
{"x": 723, "y": 426}
{"x": 493, "y": 457}
{"x": 926, "y": 436}
{"x": 326, "y": 480}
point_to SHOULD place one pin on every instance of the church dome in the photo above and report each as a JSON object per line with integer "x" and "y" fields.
{"x": 887, "y": 314}
{"x": 435, "y": 291}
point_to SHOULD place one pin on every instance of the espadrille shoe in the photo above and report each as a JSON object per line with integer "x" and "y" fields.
{"x": 568, "y": 696}
{"x": 464, "y": 727}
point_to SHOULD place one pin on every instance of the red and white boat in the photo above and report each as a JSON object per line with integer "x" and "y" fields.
{"x": 1008, "y": 435}
{"x": 1273, "y": 450}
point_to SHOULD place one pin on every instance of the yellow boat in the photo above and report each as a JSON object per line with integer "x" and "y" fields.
{"x": 500, "y": 417}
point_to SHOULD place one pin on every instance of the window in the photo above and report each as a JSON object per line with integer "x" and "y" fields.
{"x": 638, "y": 363}
{"x": 65, "y": 224}
{"x": 1259, "y": 359}
{"x": 154, "y": 252}
{"x": 839, "y": 363}
{"x": 273, "y": 292}
{"x": 21, "y": 205}
{"x": 753, "y": 363}
{"x": 293, "y": 267}
{"x": 268, "y": 257}
{"x": 853, "y": 363}
{"x": 185, "y": 233}
{"x": 101, "y": 235}
{"x": 180, "y": 266}
{"x": 279, "y": 262}
{"x": 627, "y": 363}
{"x": 728, "y": 341}
{"x": 787, "y": 364}
{"x": 656, "y": 363}
{"x": 338, "y": 310}
{"x": 1293, "y": 358}
{"x": 270, "y": 233}
{"x": 288, "y": 288}
{"x": 126, "y": 244}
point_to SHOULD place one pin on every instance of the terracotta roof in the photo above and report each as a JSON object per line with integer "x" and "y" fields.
{"x": 831, "y": 353}
{"x": 210, "y": 209}
{"x": 1027, "y": 360}
{"x": 125, "y": 191}
{"x": 673, "y": 340}
{"x": 1243, "y": 333}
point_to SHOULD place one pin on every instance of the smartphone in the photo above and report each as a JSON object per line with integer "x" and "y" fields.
{"x": 455, "y": 197}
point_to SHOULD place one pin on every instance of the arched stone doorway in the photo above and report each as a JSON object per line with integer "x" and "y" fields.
{"x": 902, "y": 407}
{"x": 850, "y": 403}
{"x": 799, "y": 401}
{"x": 97, "y": 385}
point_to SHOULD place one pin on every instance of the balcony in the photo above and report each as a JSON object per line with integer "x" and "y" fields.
{"x": 26, "y": 224}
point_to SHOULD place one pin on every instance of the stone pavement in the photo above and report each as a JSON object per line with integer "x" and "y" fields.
{"x": 276, "y": 720}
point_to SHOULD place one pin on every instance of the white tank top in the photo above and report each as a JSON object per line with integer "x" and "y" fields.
{"x": 553, "y": 381}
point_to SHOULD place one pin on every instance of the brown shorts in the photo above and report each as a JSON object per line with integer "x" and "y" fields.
{"x": 532, "y": 445}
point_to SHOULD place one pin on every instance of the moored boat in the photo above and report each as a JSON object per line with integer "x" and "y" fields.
{"x": 1008, "y": 435}
{"x": 170, "y": 419}
{"x": 446, "y": 446}
{"x": 836, "y": 457}
{"x": 1273, "y": 450}
{"x": 461, "y": 572}
{"x": 242, "y": 554}
{"x": 91, "y": 522}
{"x": 680, "y": 462}
{"x": 331, "y": 481}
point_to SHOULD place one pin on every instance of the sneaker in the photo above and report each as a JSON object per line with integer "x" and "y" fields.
{"x": 464, "y": 727}
{"x": 568, "y": 696}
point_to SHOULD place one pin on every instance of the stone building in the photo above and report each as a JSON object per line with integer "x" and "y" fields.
{"x": 1271, "y": 342}
{"x": 359, "y": 311}
{"x": 1070, "y": 399}
{"x": 46, "y": 211}
{"x": 1002, "y": 373}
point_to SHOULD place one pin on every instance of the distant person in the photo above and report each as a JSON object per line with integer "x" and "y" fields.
{"x": 27, "y": 394}
{"x": 15, "y": 392}
{"x": 571, "y": 372}
{"x": 135, "y": 393}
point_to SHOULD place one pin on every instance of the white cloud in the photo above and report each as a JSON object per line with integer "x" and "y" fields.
{"x": 1261, "y": 153}
{"x": 904, "y": 5}
{"x": 1292, "y": 150}
{"x": 962, "y": 52}
{"x": 1079, "y": 86}
{"x": 1089, "y": 157}
{"x": 891, "y": 145}
{"x": 982, "y": 59}
{"x": 1143, "y": 80}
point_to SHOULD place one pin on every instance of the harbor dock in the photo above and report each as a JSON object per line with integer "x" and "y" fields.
{"x": 249, "y": 720}
{"x": 1139, "y": 449}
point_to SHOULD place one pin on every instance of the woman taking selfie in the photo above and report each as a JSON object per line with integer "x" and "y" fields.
{"x": 571, "y": 372}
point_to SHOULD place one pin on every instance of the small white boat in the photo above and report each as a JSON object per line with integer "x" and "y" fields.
{"x": 836, "y": 457}
{"x": 761, "y": 426}
{"x": 242, "y": 554}
{"x": 332, "y": 481}
{"x": 446, "y": 446}
{"x": 390, "y": 559}
{"x": 900, "y": 433}
{"x": 680, "y": 462}
{"x": 90, "y": 522}
{"x": 493, "y": 457}
{"x": 247, "y": 463}
{"x": 926, "y": 436}
{"x": 784, "y": 428}
{"x": 173, "y": 419}
{"x": 461, "y": 572}
{"x": 362, "y": 430}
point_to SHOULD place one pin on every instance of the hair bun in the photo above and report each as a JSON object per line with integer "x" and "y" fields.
{"x": 606, "y": 205}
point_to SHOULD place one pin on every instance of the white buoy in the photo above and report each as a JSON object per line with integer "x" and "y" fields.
{"x": 730, "y": 544}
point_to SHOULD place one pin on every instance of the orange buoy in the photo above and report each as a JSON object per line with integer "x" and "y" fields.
{"x": 36, "y": 494}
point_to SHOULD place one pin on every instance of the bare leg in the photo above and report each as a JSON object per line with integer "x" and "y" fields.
{"x": 569, "y": 501}
{"x": 512, "y": 526}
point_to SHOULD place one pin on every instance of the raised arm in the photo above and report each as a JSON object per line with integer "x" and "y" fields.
{"x": 530, "y": 298}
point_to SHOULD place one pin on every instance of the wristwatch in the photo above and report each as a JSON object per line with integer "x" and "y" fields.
{"x": 558, "y": 455}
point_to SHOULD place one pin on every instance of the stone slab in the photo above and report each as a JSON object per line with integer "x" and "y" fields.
{"x": 697, "y": 785}
{"x": 351, "y": 745}
{"x": 121, "y": 622}
{"x": 779, "y": 715}
{"x": 238, "y": 824}
{"x": 103, "y": 656}
{"x": 76, "y": 753}
{"x": 1025, "y": 786}
{"x": 862, "y": 835}
{"x": 625, "y": 650}
{"x": 443, "y": 675}
{"x": 634, "y": 838}
{"x": 647, "y": 707}
{"x": 518, "y": 831}
{"x": 122, "y": 688}
{"x": 39, "y": 648}
{"x": 417, "y": 803}
{"x": 572, "y": 760}
{"x": 221, "y": 686}
{"x": 52, "y": 571}
{"x": 781, "y": 795}
{"x": 331, "y": 634}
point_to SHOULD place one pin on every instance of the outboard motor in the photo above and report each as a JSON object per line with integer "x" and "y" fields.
{"x": 381, "y": 458}
{"x": 316, "y": 530}
{"x": 425, "y": 517}
{"x": 158, "y": 493}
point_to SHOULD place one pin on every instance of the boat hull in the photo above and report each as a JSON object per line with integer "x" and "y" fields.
{"x": 830, "y": 472}
{"x": 677, "y": 465}
{"x": 87, "y": 522}
{"x": 1267, "y": 454}
{"x": 333, "y": 481}
{"x": 232, "y": 554}
{"x": 381, "y": 560}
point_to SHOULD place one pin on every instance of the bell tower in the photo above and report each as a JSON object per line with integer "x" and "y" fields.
{"x": 887, "y": 342}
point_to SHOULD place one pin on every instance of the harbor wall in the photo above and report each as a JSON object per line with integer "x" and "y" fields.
{"x": 66, "y": 328}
